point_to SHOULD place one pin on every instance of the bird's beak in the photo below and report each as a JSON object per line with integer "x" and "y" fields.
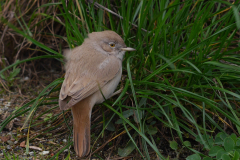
{"x": 128, "y": 49}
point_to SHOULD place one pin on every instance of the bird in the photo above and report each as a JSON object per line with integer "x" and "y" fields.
{"x": 93, "y": 72}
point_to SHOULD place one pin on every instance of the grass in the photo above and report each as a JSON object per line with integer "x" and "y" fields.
{"x": 184, "y": 75}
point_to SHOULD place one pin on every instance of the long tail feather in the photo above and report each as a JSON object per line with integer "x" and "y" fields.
{"x": 81, "y": 127}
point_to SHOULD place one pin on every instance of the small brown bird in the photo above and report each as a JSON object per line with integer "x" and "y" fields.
{"x": 93, "y": 71}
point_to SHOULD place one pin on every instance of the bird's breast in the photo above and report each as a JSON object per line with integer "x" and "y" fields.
{"x": 108, "y": 89}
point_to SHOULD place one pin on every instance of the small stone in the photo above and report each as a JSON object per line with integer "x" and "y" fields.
{"x": 31, "y": 153}
{"x": 17, "y": 148}
{"x": 24, "y": 79}
{"x": 10, "y": 142}
{"x": 24, "y": 155}
{"x": 11, "y": 135}
{"x": 7, "y": 104}
{"x": 9, "y": 147}
{"x": 64, "y": 140}
{"x": 16, "y": 119}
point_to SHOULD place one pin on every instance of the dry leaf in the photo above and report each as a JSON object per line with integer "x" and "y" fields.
{"x": 22, "y": 144}
{"x": 5, "y": 138}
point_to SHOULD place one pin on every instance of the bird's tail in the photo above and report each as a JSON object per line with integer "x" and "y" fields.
{"x": 81, "y": 127}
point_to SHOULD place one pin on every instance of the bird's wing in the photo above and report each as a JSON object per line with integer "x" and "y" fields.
{"x": 85, "y": 78}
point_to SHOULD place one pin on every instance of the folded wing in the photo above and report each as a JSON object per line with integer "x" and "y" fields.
{"x": 83, "y": 79}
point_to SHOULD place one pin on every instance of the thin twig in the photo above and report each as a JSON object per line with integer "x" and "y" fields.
{"x": 110, "y": 11}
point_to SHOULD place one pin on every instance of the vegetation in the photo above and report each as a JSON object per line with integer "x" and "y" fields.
{"x": 181, "y": 87}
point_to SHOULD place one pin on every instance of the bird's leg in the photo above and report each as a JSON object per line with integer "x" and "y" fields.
{"x": 117, "y": 92}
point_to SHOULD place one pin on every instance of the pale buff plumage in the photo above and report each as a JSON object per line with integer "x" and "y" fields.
{"x": 95, "y": 65}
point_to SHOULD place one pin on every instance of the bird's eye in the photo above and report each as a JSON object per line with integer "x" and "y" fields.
{"x": 112, "y": 45}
